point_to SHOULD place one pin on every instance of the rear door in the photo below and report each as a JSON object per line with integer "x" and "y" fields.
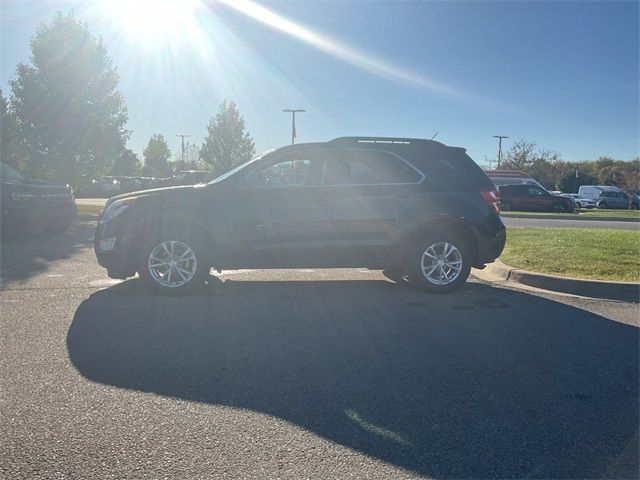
{"x": 363, "y": 194}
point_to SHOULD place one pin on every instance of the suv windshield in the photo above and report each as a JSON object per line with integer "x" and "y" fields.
{"x": 224, "y": 176}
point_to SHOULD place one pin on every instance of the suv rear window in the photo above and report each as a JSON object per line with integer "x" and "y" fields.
{"x": 450, "y": 169}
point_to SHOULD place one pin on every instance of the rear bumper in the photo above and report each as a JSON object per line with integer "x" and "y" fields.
{"x": 490, "y": 239}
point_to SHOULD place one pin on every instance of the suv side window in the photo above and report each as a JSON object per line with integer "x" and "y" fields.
{"x": 287, "y": 173}
{"x": 536, "y": 191}
{"x": 366, "y": 167}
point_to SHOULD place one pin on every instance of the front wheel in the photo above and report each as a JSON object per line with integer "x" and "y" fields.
{"x": 440, "y": 263}
{"x": 173, "y": 264}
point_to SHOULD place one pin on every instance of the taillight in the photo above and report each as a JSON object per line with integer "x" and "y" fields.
{"x": 492, "y": 197}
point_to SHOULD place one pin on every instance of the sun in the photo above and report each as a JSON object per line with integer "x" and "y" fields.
{"x": 153, "y": 21}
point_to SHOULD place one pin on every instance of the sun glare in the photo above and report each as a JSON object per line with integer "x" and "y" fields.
{"x": 153, "y": 21}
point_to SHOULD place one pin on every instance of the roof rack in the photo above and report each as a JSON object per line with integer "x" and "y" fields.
{"x": 379, "y": 140}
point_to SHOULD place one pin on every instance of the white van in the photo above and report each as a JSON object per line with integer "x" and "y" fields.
{"x": 594, "y": 191}
{"x": 510, "y": 177}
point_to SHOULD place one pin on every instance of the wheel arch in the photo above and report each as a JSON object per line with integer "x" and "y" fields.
{"x": 151, "y": 227}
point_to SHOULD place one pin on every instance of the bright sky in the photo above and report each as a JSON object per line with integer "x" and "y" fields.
{"x": 563, "y": 74}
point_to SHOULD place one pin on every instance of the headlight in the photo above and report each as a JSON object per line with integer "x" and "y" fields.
{"x": 116, "y": 208}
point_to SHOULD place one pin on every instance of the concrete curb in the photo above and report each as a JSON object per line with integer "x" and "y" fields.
{"x": 622, "y": 291}
{"x": 570, "y": 216}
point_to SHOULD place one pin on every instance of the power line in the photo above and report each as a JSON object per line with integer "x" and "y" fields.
{"x": 499, "y": 137}
{"x": 293, "y": 122}
{"x": 182, "y": 135}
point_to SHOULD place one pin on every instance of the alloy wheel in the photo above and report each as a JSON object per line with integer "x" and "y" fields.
{"x": 441, "y": 263}
{"x": 172, "y": 264}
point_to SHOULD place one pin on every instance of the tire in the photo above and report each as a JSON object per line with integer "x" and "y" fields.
{"x": 173, "y": 263}
{"x": 602, "y": 206}
{"x": 432, "y": 248}
{"x": 505, "y": 206}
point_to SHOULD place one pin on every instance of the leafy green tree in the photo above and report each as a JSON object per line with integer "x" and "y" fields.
{"x": 542, "y": 164}
{"x": 126, "y": 165}
{"x": 227, "y": 145}
{"x": 156, "y": 157}
{"x": 9, "y": 138}
{"x": 69, "y": 114}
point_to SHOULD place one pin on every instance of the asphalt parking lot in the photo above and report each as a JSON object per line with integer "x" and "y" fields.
{"x": 305, "y": 374}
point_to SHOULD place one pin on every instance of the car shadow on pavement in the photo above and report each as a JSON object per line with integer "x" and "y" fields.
{"x": 31, "y": 253}
{"x": 484, "y": 383}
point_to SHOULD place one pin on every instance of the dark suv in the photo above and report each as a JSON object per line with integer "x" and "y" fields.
{"x": 409, "y": 204}
{"x": 531, "y": 198}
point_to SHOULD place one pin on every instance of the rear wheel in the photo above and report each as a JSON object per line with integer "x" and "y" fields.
{"x": 173, "y": 264}
{"x": 440, "y": 263}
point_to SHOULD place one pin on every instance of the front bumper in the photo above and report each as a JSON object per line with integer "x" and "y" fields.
{"x": 115, "y": 250}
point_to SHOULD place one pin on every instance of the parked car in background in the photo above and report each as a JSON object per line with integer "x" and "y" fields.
{"x": 611, "y": 199}
{"x": 531, "y": 198}
{"x": 193, "y": 177}
{"x": 510, "y": 177}
{"x": 185, "y": 177}
{"x": 107, "y": 186}
{"x": 412, "y": 205}
{"x": 593, "y": 191}
{"x": 29, "y": 204}
{"x": 581, "y": 202}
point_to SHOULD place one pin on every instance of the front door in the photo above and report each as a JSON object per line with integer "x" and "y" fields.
{"x": 276, "y": 215}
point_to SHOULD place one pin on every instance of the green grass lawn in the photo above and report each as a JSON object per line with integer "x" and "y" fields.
{"x": 610, "y": 213}
{"x": 594, "y": 213}
{"x": 575, "y": 252}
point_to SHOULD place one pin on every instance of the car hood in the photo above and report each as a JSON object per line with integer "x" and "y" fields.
{"x": 182, "y": 190}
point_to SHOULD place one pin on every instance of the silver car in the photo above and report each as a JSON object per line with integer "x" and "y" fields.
{"x": 581, "y": 202}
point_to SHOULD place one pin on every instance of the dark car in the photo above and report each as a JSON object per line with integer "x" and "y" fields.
{"x": 29, "y": 204}
{"x": 531, "y": 198}
{"x": 410, "y": 204}
{"x": 616, "y": 200}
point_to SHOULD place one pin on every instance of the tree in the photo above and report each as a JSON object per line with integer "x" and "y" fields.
{"x": 227, "y": 145}
{"x": 156, "y": 157}
{"x": 629, "y": 177}
{"x": 191, "y": 158}
{"x": 126, "y": 165}
{"x": 69, "y": 114}
{"x": 9, "y": 138}
{"x": 542, "y": 164}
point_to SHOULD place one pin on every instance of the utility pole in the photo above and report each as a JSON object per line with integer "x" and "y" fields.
{"x": 293, "y": 122}
{"x": 499, "y": 137}
{"x": 182, "y": 135}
